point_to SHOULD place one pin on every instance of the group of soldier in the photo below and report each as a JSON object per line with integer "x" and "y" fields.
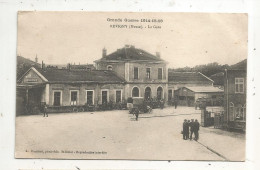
{"x": 190, "y": 127}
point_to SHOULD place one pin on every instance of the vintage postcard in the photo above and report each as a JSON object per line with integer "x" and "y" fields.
{"x": 131, "y": 86}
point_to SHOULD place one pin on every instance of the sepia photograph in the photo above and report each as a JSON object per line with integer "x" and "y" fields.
{"x": 131, "y": 86}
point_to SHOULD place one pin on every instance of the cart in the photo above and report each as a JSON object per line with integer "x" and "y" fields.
{"x": 139, "y": 106}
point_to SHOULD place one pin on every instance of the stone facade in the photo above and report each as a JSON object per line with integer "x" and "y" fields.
{"x": 81, "y": 90}
{"x": 148, "y": 75}
{"x": 126, "y": 70}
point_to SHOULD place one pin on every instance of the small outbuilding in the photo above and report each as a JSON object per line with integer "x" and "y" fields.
{"x": 187, "y": 96}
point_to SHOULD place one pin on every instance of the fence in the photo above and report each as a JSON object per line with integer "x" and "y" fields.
{"x": 218, "y": 120}
{"x": 217, "y": 114}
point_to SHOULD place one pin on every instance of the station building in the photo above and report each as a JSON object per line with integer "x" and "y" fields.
{"x": 62, "y": 87}
{"x": 126, "y": 72}
{"x": 145, "y": 75}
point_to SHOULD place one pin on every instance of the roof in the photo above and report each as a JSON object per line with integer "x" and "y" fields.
{"x": 65, "y": 75}
{"x": 82, "y": 67}
{"x": 129, "y": 53}
{"x": 242, "y": 65}
{"x": 187, "y": 77}
{"x": 205, "y": 89}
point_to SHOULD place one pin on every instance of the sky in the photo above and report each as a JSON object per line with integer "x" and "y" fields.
{"x": 183, "y": 39}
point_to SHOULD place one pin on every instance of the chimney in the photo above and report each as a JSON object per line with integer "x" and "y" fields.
{"x": 43, "y": 65}
{"x": 104, "y": 52}
{"x": 36, "y": 59}
{"x": 158, "y": 54}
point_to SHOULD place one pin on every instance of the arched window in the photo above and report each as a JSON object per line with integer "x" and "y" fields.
{"x": 135, "y": 92}
{"x": 240, "y": 112}
{"x": 109, "y": 67}
{"x": 147, "y": 93}
{"x": 159, "y": 93}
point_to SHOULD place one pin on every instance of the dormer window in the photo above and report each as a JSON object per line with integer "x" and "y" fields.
{"x": 109, "y": 67}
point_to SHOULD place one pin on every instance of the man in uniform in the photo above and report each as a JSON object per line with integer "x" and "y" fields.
{"x": 45, "y": 110}
{"x": 161, "y": 103}
{"x": 196, "y": 129}
{"x": 136, "y": 112}
{"x": 191, "y": 128}
{"x": 188, "y": 123}
{"x": 185, "y": 130}
{"x": 175, "y": 103}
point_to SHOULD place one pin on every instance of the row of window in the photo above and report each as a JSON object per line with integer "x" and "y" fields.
{"x": 57, "y": 95}
{"x": 74, "y": 97}
{"x": 147, "y": 92}
{"x": 148, "y": 73}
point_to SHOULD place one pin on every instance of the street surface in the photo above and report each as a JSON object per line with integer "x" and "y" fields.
{"x": 116, "y": 135}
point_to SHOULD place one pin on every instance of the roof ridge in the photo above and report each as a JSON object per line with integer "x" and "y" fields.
{"x": 130, "y": 53}
{"x": 65, "y": 75}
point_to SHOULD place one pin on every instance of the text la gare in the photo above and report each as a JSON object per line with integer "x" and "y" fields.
{"x": 154, "y": 26}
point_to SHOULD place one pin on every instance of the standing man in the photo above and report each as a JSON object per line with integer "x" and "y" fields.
{"x": 196, "y": 129}
{"x": 185, "y": 130}
{"x": 45, "y": 110}
{"x": 175, "y": 103}
{"x": 188, "y": 129}
{"x": 191, "y": 128}
{"x": 188, "y": 102}
{"x": 136, "y": 114}
{"x": 161, "y": 103}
